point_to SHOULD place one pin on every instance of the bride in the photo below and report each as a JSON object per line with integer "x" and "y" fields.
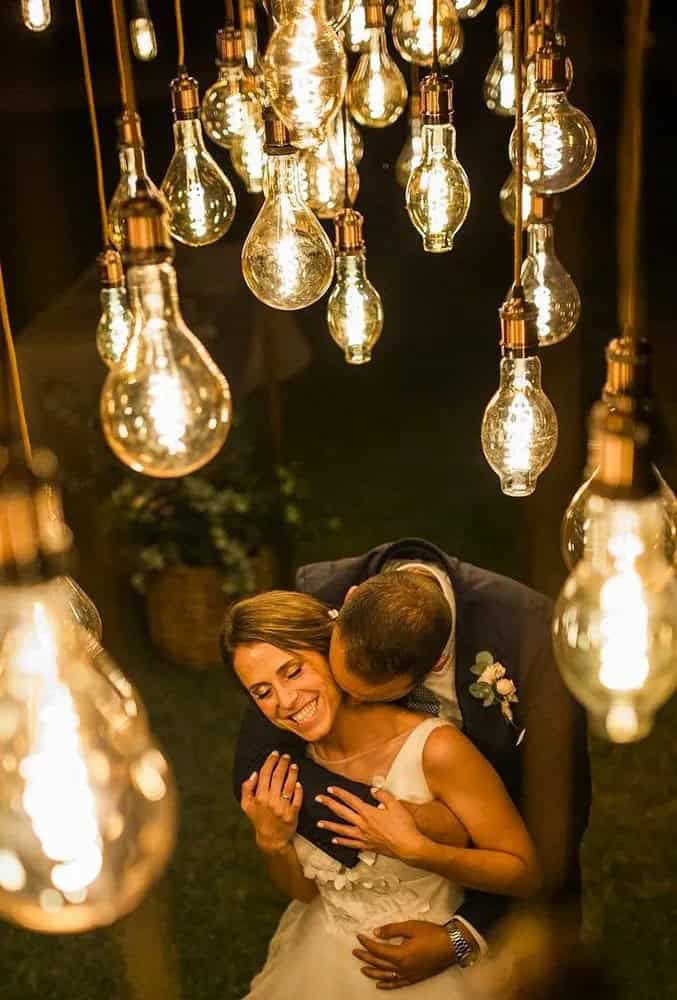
{"x": 279, "y": 644}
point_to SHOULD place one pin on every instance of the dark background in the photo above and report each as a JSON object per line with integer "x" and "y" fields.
{"x": 391, "y": 448}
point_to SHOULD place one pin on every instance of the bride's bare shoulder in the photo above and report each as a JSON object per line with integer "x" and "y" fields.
{"x": 445, "y": 746}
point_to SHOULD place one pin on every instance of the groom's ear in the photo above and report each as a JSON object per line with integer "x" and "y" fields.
{"x": 350, "y": 592}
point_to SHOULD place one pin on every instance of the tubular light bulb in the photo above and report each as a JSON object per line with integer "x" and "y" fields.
{"x": 200, "y": 197}
{"x": 287, "y": 259}
{"x": 248, "y": 158}
{"x": 560, "y": 144}
{"x": 305, "y": 71}
{"x": 132, "y": 173}
{"x": 410, "y": 155}
{"x": 144, "y": 42}
{"x": 469, "y": 8}
{"x": 377, "y": 91}
{"x": 115, "y": 323}
{"x": 230, "y": 107}
{"x": 36, "y": 14}
{"x": 438, "y": 192}
{"x": 412, "y": 29}
{"x": 506, "y": 199}
{"x": 354, "y": 309}
{"x": 355, "y": 32}
{"x": 322, "y": 180}
{"x": 545, "y": 282}
{"x": 499, "y": 83}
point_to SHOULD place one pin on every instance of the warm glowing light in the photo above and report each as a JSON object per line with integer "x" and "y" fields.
{"x": 499, "y": 83}
{"x": 506, "y": 200}
{"x": 412, "y": 28}
{"x": 248, "y": 158}
{"x": 115, "y": 325}
{"x": 230, "y": 107}
{"x": 377, "y": 92}
{"x": 133, "y": 174}
{"x": 322, "y": 179}
{"x": 438, "y": 192}
{"x": 559, "y": 143}
{"x": 36, "y": 14}
{"x": 144, "y": 42}
{"x": 354, "y": 309}
{"x": 549, "y": 287}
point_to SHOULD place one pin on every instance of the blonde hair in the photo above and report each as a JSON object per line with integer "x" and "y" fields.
{"x": 282, "y": 618}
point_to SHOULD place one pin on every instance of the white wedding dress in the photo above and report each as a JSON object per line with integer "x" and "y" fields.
{"x": 310, "y": 955}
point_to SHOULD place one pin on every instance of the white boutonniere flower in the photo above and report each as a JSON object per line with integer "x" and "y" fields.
{"x": 494, "y": 687}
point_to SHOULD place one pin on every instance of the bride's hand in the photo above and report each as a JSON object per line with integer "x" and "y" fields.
{"x": 388, "y": 828}
{"x": 271, "y": 801}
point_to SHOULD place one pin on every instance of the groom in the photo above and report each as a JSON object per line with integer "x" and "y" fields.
{"x": 540, "y": 752}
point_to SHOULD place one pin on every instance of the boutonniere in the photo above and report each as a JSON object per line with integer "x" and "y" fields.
{"x": 494, "y": 687}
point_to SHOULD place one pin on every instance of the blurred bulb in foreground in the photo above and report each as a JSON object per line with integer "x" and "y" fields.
{"x": 560, "y": 144}
{"x": 506, "y": 199}
{"x": 322, "y": 178}
{"x": 248, "y": 158}
{"x": 355, "y": 31}
{"x": 36, "y": 14}
{"x": 87, "y": 800}
{"x": 545, "y": 282}
{"x": 377, "y": 91}
{"x": 305, "y": 71}
{"x": 499, "y": 83}
{"x": 412, "y": 28}
{"x": 142, "y": 31}
{"x": 615, "y": 621}
{"x": 287, "y": 259}
{"x": 411, "y": 152}
{"x": 469, "y": 8}
{"x": 200, "y": 197}
{"x": 115, "y": 323}
{"x": 250, "y": 40}
{"x": 165, "y": 409}
{"x": 519, "y": 426}
{"x": 438, "y": 192}
{"x": 354, "y": 309}
{"x": 230, "y": 107}
{"x": 132, "y": 173}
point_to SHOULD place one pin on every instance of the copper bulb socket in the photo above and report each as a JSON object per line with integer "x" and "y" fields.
{"x": 147, "y": 239}
{"x": 348, "y": 231}
{"x": 277, "y": 142}
{"x": 551, "y": 72}
{"x": 374, "y": 16}
{"x": 185, "y": 97}
{"x": 628, "y": 371}
{"x": 229, "y": 48}
{"x": 503, "y": 18}
{"x": 519, "y": 336}
{"x": 248, "y": 14}
{"x": 415, "y": 106}
{"x": 111, "y": 272}
{"x": 543, "y": 207}
{"x": 619, "y": 440}
{"x": 437, "y": 106}
{"x": 129, "y": 130}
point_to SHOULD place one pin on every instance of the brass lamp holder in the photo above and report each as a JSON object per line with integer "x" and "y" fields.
{"x": 542, "y": 208}
{"x": 437, "y": 106}
{"x": 628, "y": 373}
{"x": 619, "y": 442}
{"x": 374, "y": 16}
{"x": 503, "y": 18}
{"x": 111, "y": 271}
{"x": 229, "y": 47}
{"x": 185, "y": 97}
{"x": 129, "y": 130}
{"x": 348, "y": 237}
{"x": 519, "y": 337}
{"x": 551, "y": 69}
{"x": 277, "y": 141}
{"x": 147, "y": 239}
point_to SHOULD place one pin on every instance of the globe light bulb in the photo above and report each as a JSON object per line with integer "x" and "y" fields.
{"x": 230, "y": 107}
{"x": 287, "y": 259}
{"x": 519, "y": 426}
{"x": 248, "y": 157}
{"x": 355, "y": 142}
{"x": 354, "y": 309}
{"x": 469, "y": 8}
{"x": 115, "y": 323}
{"x": 87, "y": 800}
{"x": 355, "y": 32}
{"x": 412, "y": 28}
{"x": 438, "y": 192}
{"x": 305, "y": 70}
{"x": 499, "y": 83}
{"x": 506, "y": 199}
{"x": 132, "y": 173}
{"x": 559, "y": 140}
{"x": 165, "y": 408}
{"x": 545, "y": 282}
{"x": 410, "y": 155}
{"x": 36, "y": 14}
{"x": 200, "y": 197}
{"x": 322, "y": 180}
{"x": 377, "y": 91}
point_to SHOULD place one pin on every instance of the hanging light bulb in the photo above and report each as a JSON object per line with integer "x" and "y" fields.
{"x": 249, "y": 159}
{"x": 200, "y": 197}
{"x": 287, "y": 259}
{"x": 412, "y": 28}
{"x": 615, "y": 621}
{"x": 506, "y": 200}
{"x": 115, "y": 324}
{"x": 354, "y": 140}
{"x": 628, "y": 375}
{"x": 250, "y": 36}
{"x": 410, "y": 155}
{"x": 230, "y": 107}
{"x": 337, "y": 12}
{"x": 545, "y": 282}
{"x": 499, "y": 83}
{"x": 354, "y": 309}
{"x": 559, "y": 141}
{"x": 355, "y": 32}
{"x": 132, "y": 172}
{"x": 519, "y": 426}
{"x": 305, "y": 71}
{"x": 87, "y": 800}
{"x": 377, "y": 91}
{"x": 36, "y": 14}
{"x": 438, "y": 192}
{"x": 165, "y": 409}
{"x": 142, "y": 31}
{"x": 322, "y": 179}
{"x": 539, "y": 32}
{"x": 469, "y": 8}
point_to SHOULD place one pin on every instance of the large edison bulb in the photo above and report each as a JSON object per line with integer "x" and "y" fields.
{"x": 322, "y": 180}
{"x": 469, "y": 8}
{"x": 355, "y": 32}
{"x": 230, "y": 107}
{"x": 87, "y": 800}
{"x": 248, "y": 158}
{"x": 354, "y": 309}
{"x": 287, "y": 259}
{"x": 337, "y": 12}
{"x": 412, "y": 29}
{"x": 133, "y": 174}
{"x": 36, "y": 14}
{"x": 506, "y": 199}
{"x": 615, "y": 621}
{"x": 499, "y": 83}
{"x": 411, "y": 152}
{"x": 165, "y": 409}
{"x": 144, "y": 42}
{"x": 305, "y": 70}
{"x": 549, "y": 287}
{"x": 519, "y": 427}
{"x": 377, "y": 92}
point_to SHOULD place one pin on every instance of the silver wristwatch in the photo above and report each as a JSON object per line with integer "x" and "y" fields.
{"x": 465, "y": 953}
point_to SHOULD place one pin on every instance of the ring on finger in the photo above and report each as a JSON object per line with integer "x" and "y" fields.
{"x": 286, "y": 795}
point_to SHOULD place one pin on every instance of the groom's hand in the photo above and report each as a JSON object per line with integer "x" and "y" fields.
{"x": 424, "y": 951}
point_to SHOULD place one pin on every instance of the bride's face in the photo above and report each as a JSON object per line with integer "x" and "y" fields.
{"x": 296, "y": 691}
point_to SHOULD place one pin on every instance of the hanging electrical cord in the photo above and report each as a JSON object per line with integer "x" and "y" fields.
{"x": 13, "y": 380}
{"x": 91, "y": 107}
{"x": 180, "y": 42}
{"x": 519, "y": 143}
{"x": 125, "y": 74}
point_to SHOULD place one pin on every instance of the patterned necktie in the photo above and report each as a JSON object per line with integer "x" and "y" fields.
{"x": 422, "y": 699}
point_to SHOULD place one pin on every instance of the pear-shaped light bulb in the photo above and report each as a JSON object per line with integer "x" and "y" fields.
{"x": 355, "y": 32}
{"x": 248, "y": 158}
{"x": 287, "y": 259}
{"x": 438, "y": 191}
{"x": 412, "y": 28}
{"x": 115, "y": 323}
{"x": 200, "y": 197}
{"x": 305, "y": 70}
{"x": 412, "y": 151}
{"x": 377, "y": 91}
{"x": 499, "y": 83}
{"x": 230, "y": 107}
{"x": 133, "y": 173}
{"x": 354, "y": 308}
{"x": 322, "y": 180}
{"x": 545, "y": 282}
{"x": 355, "y": 142}
{"x": 469, "y": 8}
{"x": 336, "y": 12}
{"x": 506, "y": 199}
{"x": 36, "y": 14}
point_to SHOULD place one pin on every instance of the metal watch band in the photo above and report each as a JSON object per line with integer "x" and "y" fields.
{"x": 463, "y": 951}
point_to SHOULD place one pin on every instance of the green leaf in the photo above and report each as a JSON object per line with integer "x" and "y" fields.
{"x": 489, "y": 700}
{"x": 476, "y": 670}
{"x": 484, "y": 659}
{"x": 480, "y": 690}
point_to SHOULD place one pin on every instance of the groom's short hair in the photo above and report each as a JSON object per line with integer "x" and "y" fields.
{"x": 395, "y": 624}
